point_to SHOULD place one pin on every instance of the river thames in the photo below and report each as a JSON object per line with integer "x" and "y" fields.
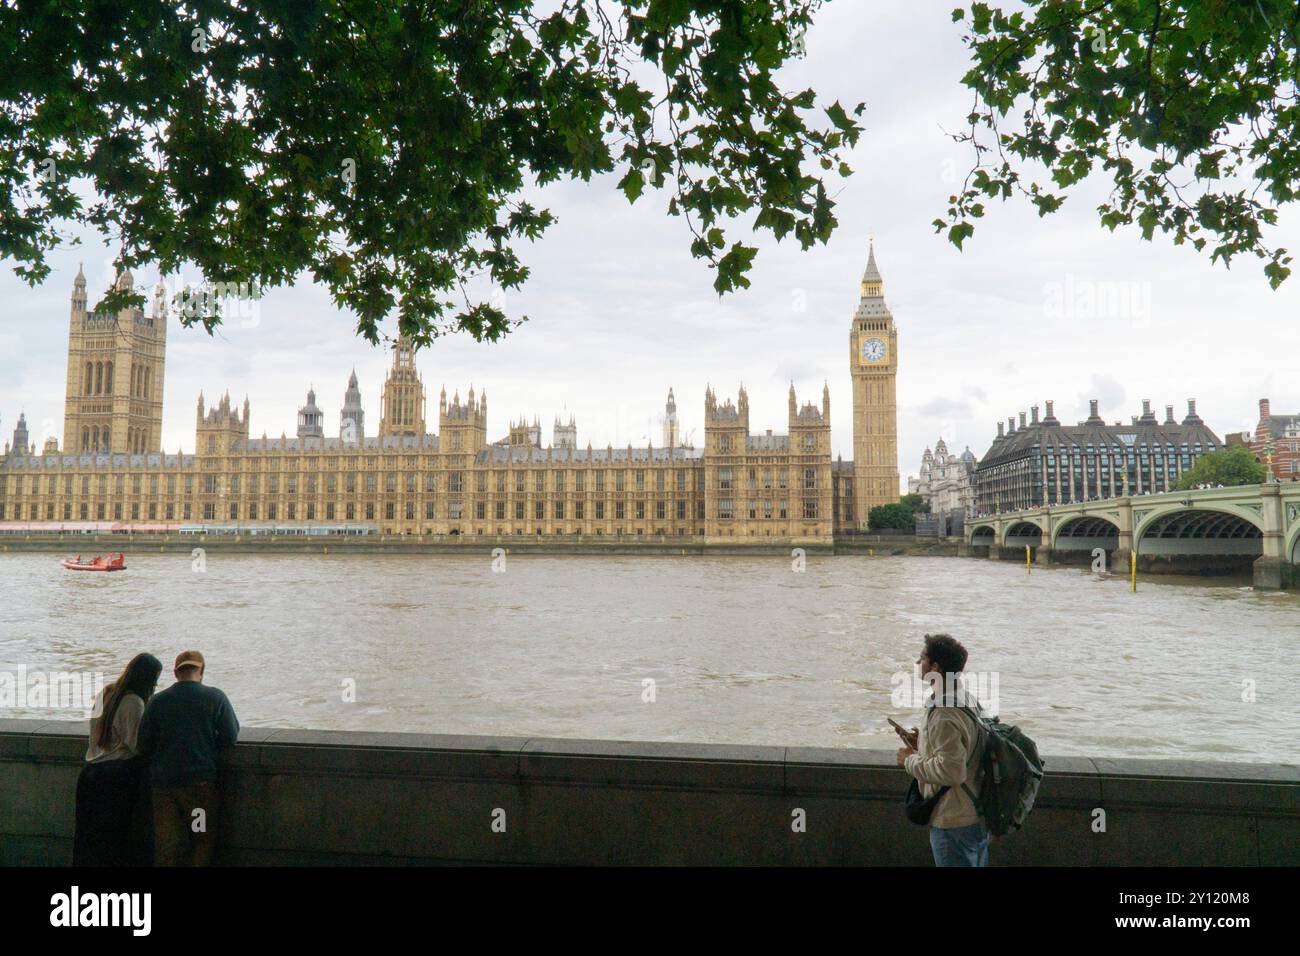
{"x": 707, "y": 649}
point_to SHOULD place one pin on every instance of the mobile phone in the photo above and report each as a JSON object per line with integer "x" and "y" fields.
{"x": 898, "y": 727}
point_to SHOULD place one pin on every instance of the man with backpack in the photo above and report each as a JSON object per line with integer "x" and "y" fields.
{"x": 944, "y": 757}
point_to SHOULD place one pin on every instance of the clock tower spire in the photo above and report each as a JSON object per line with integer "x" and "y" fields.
{"x": 873, "y": 364}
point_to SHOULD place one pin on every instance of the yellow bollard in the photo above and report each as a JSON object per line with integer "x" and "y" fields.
{"x": 1133, "y": 570}
{"x": 1028, "y": 569}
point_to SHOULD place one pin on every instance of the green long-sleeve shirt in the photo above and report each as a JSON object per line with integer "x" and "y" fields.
{"x": 183, "y": 730}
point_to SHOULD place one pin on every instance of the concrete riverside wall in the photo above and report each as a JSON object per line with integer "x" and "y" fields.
{"x": 90, "y": 544}
{"x": 318, "y": 797}
{"x": 134, "y": 544}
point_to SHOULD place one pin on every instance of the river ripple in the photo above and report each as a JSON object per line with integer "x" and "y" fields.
{"x": 740, "y": 650}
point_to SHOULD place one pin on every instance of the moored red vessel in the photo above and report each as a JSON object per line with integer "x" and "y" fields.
{"x": 115, "y": 561}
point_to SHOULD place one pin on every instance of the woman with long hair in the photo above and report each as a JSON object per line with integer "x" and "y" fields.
{"x": 112, "y": 816}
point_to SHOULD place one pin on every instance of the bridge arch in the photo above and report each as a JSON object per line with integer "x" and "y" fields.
{"x": 1085, "y": 532}
{"x": 1292, "y": 550}
{"x": 981, "y": 538}
{"x": 1021, "y": 532}
{"x": 1180, "y": 522}
{"x": 1220, "y": 540}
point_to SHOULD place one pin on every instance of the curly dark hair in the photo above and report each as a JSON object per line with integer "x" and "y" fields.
{"x": 946, "y": 653}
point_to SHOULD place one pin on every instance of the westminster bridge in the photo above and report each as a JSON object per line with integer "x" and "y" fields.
{"x": 1248, "y": 529}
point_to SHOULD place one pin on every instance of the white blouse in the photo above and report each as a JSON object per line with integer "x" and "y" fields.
{"x": 122, "y": 738}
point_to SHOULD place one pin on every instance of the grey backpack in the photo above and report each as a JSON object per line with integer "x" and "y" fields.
{"x": 1009, "y": 773}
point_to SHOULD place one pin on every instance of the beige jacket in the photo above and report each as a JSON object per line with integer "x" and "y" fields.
{"x": 947, "y": 757}
{"x": 123, "y": 737}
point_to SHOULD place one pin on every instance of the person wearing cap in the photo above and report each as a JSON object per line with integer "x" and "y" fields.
{"x": 184, "y": 729}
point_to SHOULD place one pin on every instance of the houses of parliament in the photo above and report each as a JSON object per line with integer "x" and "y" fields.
{"x": 405, "y": 477}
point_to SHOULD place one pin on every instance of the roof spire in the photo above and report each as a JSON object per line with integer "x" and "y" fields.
{"x": 873, "y": 285}
{"x": 873, "y": 271}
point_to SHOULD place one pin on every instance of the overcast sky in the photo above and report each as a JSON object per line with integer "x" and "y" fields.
{"x": 619, "y": 311}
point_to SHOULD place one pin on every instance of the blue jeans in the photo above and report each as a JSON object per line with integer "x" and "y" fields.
{"x": 960, "y": 846}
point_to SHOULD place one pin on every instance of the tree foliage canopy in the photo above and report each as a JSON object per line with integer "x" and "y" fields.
{"x": 1227, "y": 467}
{"x": 384, "y": 147}
{"x": 915, "y": 504}
{"x": 1190, "y": 106}
{"x": 896, "y": 516}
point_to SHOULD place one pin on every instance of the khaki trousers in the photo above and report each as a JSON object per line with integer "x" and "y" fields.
{"x": 181, "y": 836}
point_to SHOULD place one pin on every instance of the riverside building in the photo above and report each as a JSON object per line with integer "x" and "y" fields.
{"x": 407, "y": 478}
{"x": 1047, "y": 463}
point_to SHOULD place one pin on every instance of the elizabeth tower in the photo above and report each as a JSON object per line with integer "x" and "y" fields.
{"x": 873, "y": 359}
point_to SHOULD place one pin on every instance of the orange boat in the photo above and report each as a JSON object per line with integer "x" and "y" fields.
{"x": 104, "y": 562}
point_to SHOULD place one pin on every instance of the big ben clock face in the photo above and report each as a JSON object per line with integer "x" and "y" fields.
{"x": 873, "y": 350}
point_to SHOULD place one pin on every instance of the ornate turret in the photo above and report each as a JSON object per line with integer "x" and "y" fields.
{"x": 726, "y": 426}
{"x": 21, "y": 445}
{"x": 221, "y": 429}
{"x": 401, "y": 410}
{"x": 352, "y": 417}
{"x": 524, "y": 435}
{"x": 79, "y": 295}
{"x": 565, "y": 436}
{"x": 311, "y": 420}
{"x": 670, "y": 421}
{"x": 462, "y": 426}
{"x": 728, "y": 412}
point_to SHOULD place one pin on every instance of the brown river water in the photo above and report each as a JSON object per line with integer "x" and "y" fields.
{"x": 707, "y": 649}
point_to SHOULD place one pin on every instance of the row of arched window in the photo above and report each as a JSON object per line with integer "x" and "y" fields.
{"x": 98, "y": 438}
{"x": 141, "y": 381}
{"x": 94, "y": 438}
{"x": 99, "y": 379}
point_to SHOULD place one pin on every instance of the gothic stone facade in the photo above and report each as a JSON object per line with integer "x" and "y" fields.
{"x": 740, "y": 487}
{"x": 114, "y": 398}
